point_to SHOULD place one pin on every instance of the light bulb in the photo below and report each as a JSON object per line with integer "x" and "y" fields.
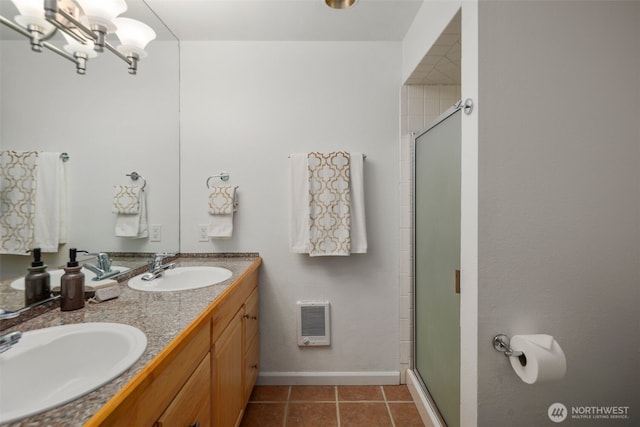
{"x": 29, "y": 7}
{"x": 103, "y": 12}
{"x": 74, "y": 46}
{"x": 134, "y": 36}
{"x": 32, "y": 13}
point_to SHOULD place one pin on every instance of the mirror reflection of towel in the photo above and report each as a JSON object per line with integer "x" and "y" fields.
{"x": 51, "y": 219}
{"x": 126, "y": 199}
{"x": 33, "y": 201}
{"x": 222, "y": 204}
{"x": 18, "y": 183}
{"x": 130, "y": 206}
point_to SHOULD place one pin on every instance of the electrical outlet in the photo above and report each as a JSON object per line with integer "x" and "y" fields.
{"x": 204, "y": 233}
{"x": 155, "y": 233}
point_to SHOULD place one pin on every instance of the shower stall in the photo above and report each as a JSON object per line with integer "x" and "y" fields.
{"x": 436, "y": 264}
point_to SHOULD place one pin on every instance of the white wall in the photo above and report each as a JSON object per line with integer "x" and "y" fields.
{"x": 245, "y": 106}
{"x": 469, "y": 219}
{"x": 430, "y": 21}
{"x": 110, "y": 123}
{"x": 559, "y": 202}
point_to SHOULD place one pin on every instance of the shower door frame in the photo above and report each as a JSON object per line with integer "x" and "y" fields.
{"x": 415, "y": 135}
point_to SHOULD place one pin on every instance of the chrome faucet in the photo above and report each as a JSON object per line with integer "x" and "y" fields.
{"x": 102, "y": 269}
{"x": 9, "y": 340}
{"x": 10, "y": 314}
{"x": 156, "y": 269}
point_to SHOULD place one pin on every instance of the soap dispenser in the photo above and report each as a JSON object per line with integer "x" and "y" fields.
{"x": 72, "y": 284}
{"x": 37, "y": 286}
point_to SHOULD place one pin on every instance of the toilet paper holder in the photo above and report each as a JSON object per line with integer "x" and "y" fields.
{"x": 501, "y": 344}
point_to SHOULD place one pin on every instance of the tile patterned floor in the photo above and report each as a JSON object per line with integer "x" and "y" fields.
{"x": 331, "y": 406}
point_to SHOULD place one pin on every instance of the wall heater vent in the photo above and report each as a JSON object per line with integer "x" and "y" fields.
{"x": 313, "y": 324}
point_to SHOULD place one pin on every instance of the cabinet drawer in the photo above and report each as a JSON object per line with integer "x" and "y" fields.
{"x": 251, "y": 318}
{"x": 150, "y": 399}
{"x": 192, "y": 405}
{"x": 251, "y": 366}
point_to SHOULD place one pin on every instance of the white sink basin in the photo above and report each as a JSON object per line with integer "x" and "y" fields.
{"x": 52, "y": 366}
{"x": 181, "y": 279}
{"x": 55, "y": 276}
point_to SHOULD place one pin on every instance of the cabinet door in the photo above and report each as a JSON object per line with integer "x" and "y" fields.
{"x": 227, "y": 375}
{"x": 251, "y": 343}
{"x": 192, "y": 405}
{"x": 251, "y": 322}
{"x": 251, "y": 368}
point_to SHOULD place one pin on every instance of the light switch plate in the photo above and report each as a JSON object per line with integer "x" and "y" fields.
{"x": 155, "y": 233}
{"x": 203, "y": 231}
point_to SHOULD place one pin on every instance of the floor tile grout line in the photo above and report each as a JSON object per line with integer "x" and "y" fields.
{"x": 335, "y": 390}
{"x": 286, "y": 408}
{"x": 386, "y": 404}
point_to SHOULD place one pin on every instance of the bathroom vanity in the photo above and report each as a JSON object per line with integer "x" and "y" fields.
{"x": 201, "y": 361}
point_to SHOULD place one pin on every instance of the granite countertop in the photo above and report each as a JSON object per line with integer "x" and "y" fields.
{"x": 160, "y": 315}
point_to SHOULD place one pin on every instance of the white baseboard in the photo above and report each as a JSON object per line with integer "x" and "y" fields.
{"x": 427, "y": 412}
{"x": 329, "y": 378}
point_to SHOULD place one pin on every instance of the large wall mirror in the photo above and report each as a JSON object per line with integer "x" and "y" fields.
{"x": 109, "y": 122}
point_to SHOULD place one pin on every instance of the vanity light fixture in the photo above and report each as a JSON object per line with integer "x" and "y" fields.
{"x": 134, "y": 36}
{"x": 340, "y": 4}
{"x": 84, "y": 25}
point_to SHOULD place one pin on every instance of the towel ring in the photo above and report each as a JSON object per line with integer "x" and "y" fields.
{"x": 135, "y": 175}
{"x": 222, "y": 175}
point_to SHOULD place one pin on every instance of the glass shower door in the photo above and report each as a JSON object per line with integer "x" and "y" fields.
{"x": 437, "y": 263}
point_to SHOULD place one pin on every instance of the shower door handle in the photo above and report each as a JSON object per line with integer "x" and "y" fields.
{"x": 457, "y": 281}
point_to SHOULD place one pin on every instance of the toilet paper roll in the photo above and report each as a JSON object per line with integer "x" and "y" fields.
{"x": 543, "y": 359}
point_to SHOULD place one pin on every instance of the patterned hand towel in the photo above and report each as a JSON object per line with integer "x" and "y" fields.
{"x": 222, "y": 204}
{"x": 18, "y": 178}
{"x": 329, "y": 203}
{"x": 129, "y": 204}
{"x": 126, "y": 199}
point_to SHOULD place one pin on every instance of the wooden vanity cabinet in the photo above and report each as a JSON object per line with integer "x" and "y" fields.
{"x": 232, "y": 381}
{"x": 202, "y": 378}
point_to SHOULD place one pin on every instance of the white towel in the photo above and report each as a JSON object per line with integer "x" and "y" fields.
{"x": 299, "y": 204}
{"x": 222, "y": 204}
{"x": 130, "y": 206}
{"x": 18, "y": 184}
{"x": 358, "y": 218}
{"x": 51, "y": 222}
{"x": 64, "y": 203}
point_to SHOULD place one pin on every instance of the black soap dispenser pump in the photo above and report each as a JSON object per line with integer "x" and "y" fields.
{"x": 37, "y": 283}
{"x": 72, "y": 284}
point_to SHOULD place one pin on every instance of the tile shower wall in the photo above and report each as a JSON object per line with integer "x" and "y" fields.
{"x": 420, "y": 106}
